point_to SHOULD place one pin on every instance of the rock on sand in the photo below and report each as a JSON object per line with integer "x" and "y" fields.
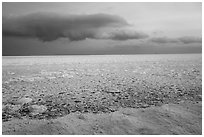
{"x": 37, "y": 109}
{"x": 24, "y": 100}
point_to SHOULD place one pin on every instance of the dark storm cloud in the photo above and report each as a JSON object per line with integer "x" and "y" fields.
{"x": 49, "y": 27}
{"x": 185, "y": 40}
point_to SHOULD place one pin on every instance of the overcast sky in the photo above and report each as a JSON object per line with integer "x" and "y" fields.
{"x": 101, "y": 28}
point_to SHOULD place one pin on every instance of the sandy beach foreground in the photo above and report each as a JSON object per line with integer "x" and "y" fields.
{"x": 183, "y": 118}
{"x": 116, "y": 94}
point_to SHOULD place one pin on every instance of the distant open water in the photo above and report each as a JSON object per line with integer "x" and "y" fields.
{"x": 31, "y": 60}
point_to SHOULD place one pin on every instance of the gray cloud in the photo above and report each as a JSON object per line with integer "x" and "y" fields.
{"x": 126, "y": 35}
{"x": 164, "y": 40}
{"x": 188, "y": 39}
{"x": 49, "y": 27}
{"x": 185, "y": 40}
